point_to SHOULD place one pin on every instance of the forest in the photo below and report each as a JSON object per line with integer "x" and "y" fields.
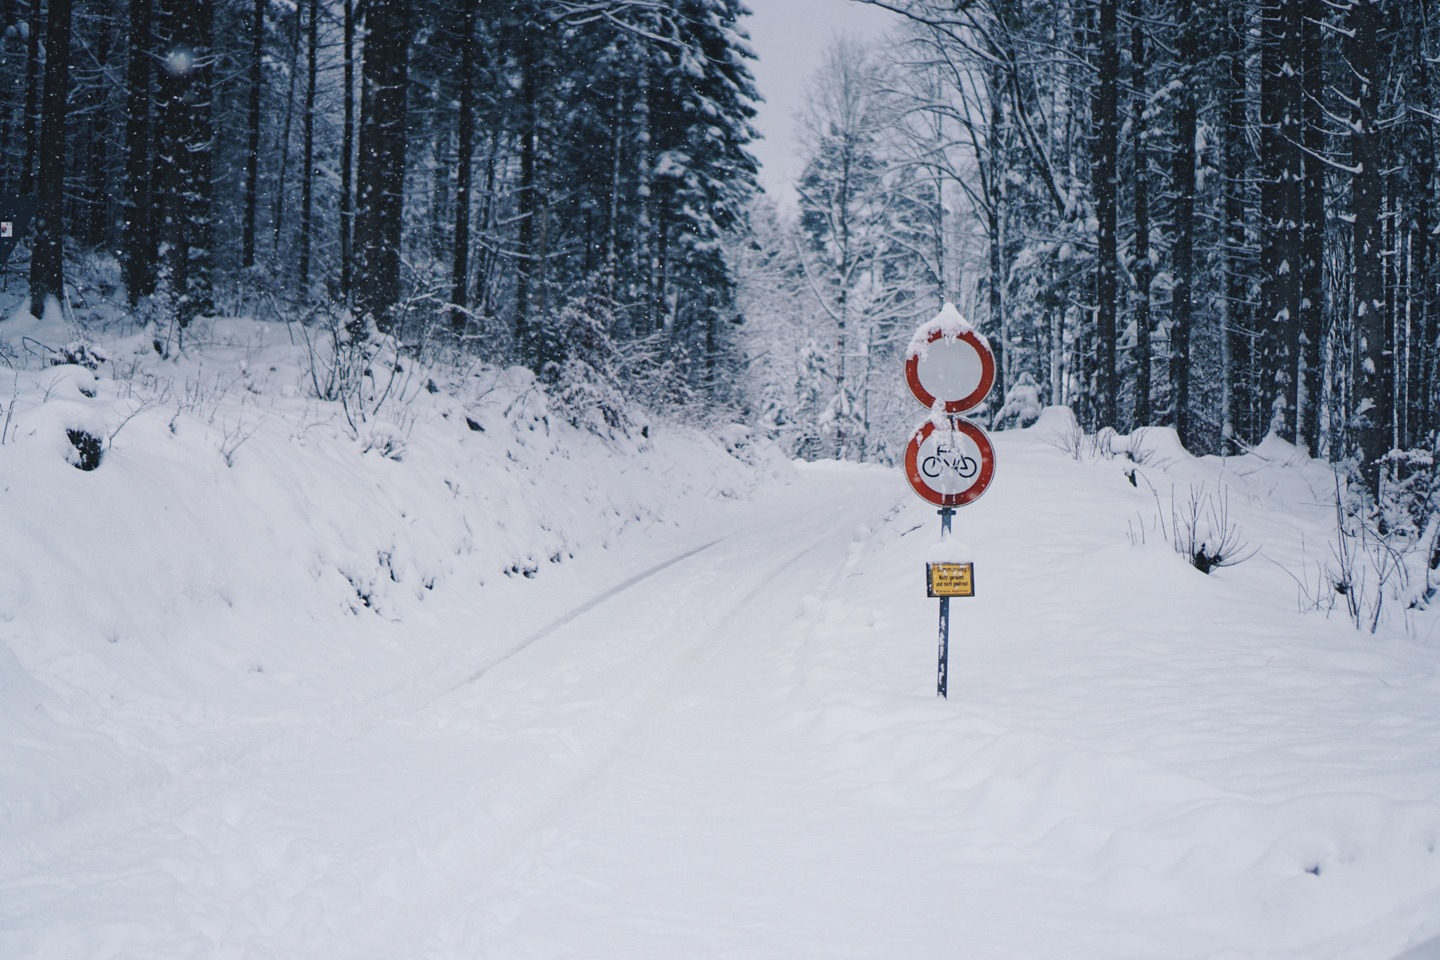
{"x": 1212, "y": 215}
{"x": 523, "y": 179}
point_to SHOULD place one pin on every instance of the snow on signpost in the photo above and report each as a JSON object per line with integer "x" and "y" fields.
{"x": 950, "y": 460}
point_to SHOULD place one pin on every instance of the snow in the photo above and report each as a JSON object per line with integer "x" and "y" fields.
{"x": 526, "y": 691}
{"x": 949, "y": 550}
{"x": 940, "y": 418}
{"x": 948, "y": 323}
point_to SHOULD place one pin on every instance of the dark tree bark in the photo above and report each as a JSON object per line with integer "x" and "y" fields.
{"x": 1279, "y": 162}
{"x": 1105, "y": 182}
{"x": 1084, "y": 347}
{"x": 138, "y": 235}
{"x": 308, "y": 181}
{"x": 183, "y": 93}
{"x": 382, "y": 160}
{"x": 95, "y": 224}
{"x": 465, "y": 137}
{"x": 283, "y": 146}
{"x": 1423, "y": 242}
{"x": 612, "y": 213}
{"x": 1312, "y": 227}
{"x": 487, "y": 259}
{"x": 1143, "y": 269}
{"x": 1183, "y": 176}
{"x": 1371, "y": 374}
{"x": 994, "y": 206}
{"x": 32, "y": 97}
{"x": 347, "y": 147}
{"x": 252, "y": 157}
{"x": 1287, "y": 229}
{"x": 527, "y": 333}
{"x": 47, "y": 252}
{"x": 1235, "y": 343}
{"x": 10, "y": 25}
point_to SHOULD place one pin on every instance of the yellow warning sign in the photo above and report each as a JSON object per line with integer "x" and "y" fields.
{"x": 950, "y": 579}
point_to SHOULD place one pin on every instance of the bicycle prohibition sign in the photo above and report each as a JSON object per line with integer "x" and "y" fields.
{"x": 950, "y": 468}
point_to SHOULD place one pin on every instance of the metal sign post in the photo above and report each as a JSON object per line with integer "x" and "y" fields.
{"x": 950, "y": 460}
{"x": 944, "y": 668}
{"x": 940, "y": 678}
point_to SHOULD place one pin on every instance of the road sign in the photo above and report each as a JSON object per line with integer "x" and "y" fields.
{"x": 950, "y": 579}
{"x": 950, "y": 468}
{"x": 949, "y": 461}
{"x": 956, "y": 367}
{"x": 15, "y": 215}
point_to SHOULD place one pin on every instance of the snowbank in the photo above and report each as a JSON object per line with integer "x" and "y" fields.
{"x": 244, "y": 554}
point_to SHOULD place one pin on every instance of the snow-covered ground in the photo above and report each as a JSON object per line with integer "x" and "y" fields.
{"x": 292, "y": 697}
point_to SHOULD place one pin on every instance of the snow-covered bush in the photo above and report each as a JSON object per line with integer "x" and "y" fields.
{"x": 582, "y": 376}
{"x": 1022, "y": 404}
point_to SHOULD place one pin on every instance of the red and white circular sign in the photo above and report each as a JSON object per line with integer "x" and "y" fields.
{"x": 950, "y": 468}
{"x": 957, "y": 369}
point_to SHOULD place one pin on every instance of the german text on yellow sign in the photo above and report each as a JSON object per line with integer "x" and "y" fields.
{"x": 950, "y": 579}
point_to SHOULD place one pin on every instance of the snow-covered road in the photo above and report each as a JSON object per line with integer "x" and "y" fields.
{"x": 378, "y": 843}
{"x": 723, "y": 742}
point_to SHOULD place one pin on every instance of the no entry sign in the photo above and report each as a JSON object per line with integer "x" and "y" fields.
{"x": 955, "y": 366}
{"x": 950, "y": 468}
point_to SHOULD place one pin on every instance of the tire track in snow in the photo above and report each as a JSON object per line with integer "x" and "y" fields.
{"x": 510, "y": 862}
{"x": 479, "y": 848}
{"x": 574, "y": 614}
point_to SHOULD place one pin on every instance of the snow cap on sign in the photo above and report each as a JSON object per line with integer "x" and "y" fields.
{"x": 948, "y": 550}
{"x": 949, "y": 323}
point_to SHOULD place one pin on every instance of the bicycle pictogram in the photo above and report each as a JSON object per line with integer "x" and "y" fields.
{"x": 956, "y": 462}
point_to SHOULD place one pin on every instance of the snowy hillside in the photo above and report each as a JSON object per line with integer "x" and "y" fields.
{"x": 464, "y": 680}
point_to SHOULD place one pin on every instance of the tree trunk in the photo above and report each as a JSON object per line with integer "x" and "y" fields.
{"x": 10, "y": 24}
{"x": 612, "y": 226}
{"x": 283, "y": 146}
{"x": 1234, "y": 341}
{"x": 465, "y": 137}
{"x": 1371, "y": 358}
{"x": 382, "y": 160}
{"x": 486, "y": 260}
{"x": 1390, "y": 244}
{"x": 32, "y": 98}
{"x": 1423, "y": 255}
{"x": 347, "y": 153}
{"x": 1184, "y": 223}
{"x": 1312, "y": 228}
{"x": 1105, "y": 181}
{"x": 308, "y": 174}
{"x": 47, "y": 251}
{"x": 185, "y": 152}
{"x": 995, "y": 206}
{"x": 527, "y": 334}
{"x": 1143, "y": 268}
{"x": 138, "y": 237}
{"x": 1271, "y": 211}
{"x": 96, "y": 229}
{"x": 1291, "y": 214}
{"x": 252, "y": 157}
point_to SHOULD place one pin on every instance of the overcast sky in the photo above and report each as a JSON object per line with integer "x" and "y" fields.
{"x": 789, "y": 37}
